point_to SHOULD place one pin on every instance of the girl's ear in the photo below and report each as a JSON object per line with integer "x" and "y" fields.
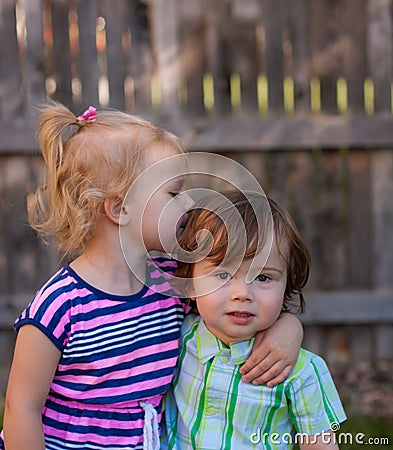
{"x": 116, "y": 211}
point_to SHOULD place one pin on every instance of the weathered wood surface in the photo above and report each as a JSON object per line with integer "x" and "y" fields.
{"x": 235, "y": 60}
{"x": 341, "y": 201}
{"x": 290, "y": 133}
{"x": 298, "y": 91}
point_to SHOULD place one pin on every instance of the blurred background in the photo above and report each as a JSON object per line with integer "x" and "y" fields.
{"x": 297, "y": 91}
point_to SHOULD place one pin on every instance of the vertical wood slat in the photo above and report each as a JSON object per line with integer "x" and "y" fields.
{"x": 353, "y": 51}
{"x": 244, "y": 60}
{"x": 380, "y": 51}
{"x": 115, "y": 26}
{"x": 255, "y": 163}
{"x": 274, "y": 23}
{"x": 304, "y": 203}
{"x": 18, "y": 250}
{"x": 382, "y": 209}
{"x": 7, "y": 343}
{"x": 331, "y": 238}
{"x": 383, "y": 342}
{"x": 325, "y": 48}
{"x": 299, "y": 30}
{"x": 22, "y": 255}
{"x": 4, "y": 212}
{"x": 360, "y": 220}
{"x": 87, "y": 58}
{"x": 140, "y": 59}
{"x": 278, "y": 166}
{"x": 166, "y": 51}
{"x": 35, "y": 66}
{"x": 218, "y": 53}
{"x": 362, "y": 343}
{"x": 10, "y": 99}
{"x": 313, "y": 339}
{"x": 335, "y": 345}
{"x": 193, "y": 51}
{"x": 61, "y": 52}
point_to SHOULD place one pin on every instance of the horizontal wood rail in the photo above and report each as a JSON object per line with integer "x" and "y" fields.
{"x": 252, "y": 134}
{"x": 290, "y": 133}
{"x": 322, "y": 308}
{"x": 348, "y": 308}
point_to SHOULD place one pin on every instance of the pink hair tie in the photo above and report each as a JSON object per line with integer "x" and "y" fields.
{"x": 88, "y": 116}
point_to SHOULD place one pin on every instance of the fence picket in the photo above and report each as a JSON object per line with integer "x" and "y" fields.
{"x": 382, "y": 208}
{"x": 245, "y": 59}
{"x": 115, "y": 61}
{"x": 274, "y": 24}
{"x": 87, "y": 58}
{"x": 192, "y": 37}
{"x": 304, "y": 206}
{"x": 34, "y": 79}
{"x": 166, "y": 47}
{"x": 325, "y": 50}
{"x": 218, "y": 53}
{"x": 359, "y": 219}
{"x": 299, "y": 31}
{"x": 380, "y": 51}
{"x": 140, "y": 59}
{"x": 10, "y": 96}
{"x": 353, "y": 45}
{"x": 332, "y": 242}
{"x": 61, "y": 66}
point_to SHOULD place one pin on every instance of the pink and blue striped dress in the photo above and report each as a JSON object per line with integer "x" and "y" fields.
{"x": 118, "y": 354}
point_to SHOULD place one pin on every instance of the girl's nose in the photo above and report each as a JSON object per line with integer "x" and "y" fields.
{"x": 188, "y": 202}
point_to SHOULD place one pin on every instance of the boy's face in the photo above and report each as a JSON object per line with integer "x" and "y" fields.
{"x": 237, "y": 310}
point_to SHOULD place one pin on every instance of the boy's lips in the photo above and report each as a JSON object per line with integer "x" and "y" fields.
{"x": 240, "y": 317}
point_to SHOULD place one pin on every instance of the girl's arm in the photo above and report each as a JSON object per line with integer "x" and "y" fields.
{"x": 325, "y": 441}
{"x": 33, "y": 368}
{"x": 275, "y": 352}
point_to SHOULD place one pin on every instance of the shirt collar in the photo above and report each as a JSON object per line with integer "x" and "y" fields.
{"x": 209, "y": 346}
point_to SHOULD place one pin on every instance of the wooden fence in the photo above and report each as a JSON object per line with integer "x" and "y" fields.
{"x": 298, "y": 91}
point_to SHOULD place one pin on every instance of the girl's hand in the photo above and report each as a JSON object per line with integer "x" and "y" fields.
{"x": 275, "y": 352}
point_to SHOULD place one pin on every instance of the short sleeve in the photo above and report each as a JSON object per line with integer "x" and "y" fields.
{"x": 164, "y": 276}
{"x": 314, "y": 403}
{"x": 50, "y": 312}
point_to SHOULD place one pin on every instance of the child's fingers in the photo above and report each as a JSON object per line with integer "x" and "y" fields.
{"x": 256, "y": 367}
{"x": 280, "y": 378}
{"x": 256, "y": 363}
{"x": 274, "y": 371}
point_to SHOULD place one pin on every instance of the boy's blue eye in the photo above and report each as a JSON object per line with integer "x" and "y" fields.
{"x": 262, "y": 278}
{"x": 223, "y": 276}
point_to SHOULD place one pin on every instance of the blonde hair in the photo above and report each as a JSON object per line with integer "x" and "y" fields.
{"x": 97, "y": 161}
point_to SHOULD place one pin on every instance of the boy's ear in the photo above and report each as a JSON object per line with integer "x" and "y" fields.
{"x": 116, "y": 211}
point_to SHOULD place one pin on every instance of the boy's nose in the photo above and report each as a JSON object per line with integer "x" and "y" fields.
{"x": 241, "y": 292}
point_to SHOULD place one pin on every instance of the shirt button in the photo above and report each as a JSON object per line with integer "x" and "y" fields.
{"x": 225, "y": 359}
{"x": 211, "y": 411}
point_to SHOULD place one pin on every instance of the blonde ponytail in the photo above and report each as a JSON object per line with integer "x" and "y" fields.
{"x": 86, "y": 163}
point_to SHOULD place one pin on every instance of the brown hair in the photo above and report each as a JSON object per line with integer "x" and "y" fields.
{"x": 98, "y": 160}
{"x": 208, "y": 216}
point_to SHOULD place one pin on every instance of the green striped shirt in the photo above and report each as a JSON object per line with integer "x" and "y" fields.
{"x": 209, "y": 407}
